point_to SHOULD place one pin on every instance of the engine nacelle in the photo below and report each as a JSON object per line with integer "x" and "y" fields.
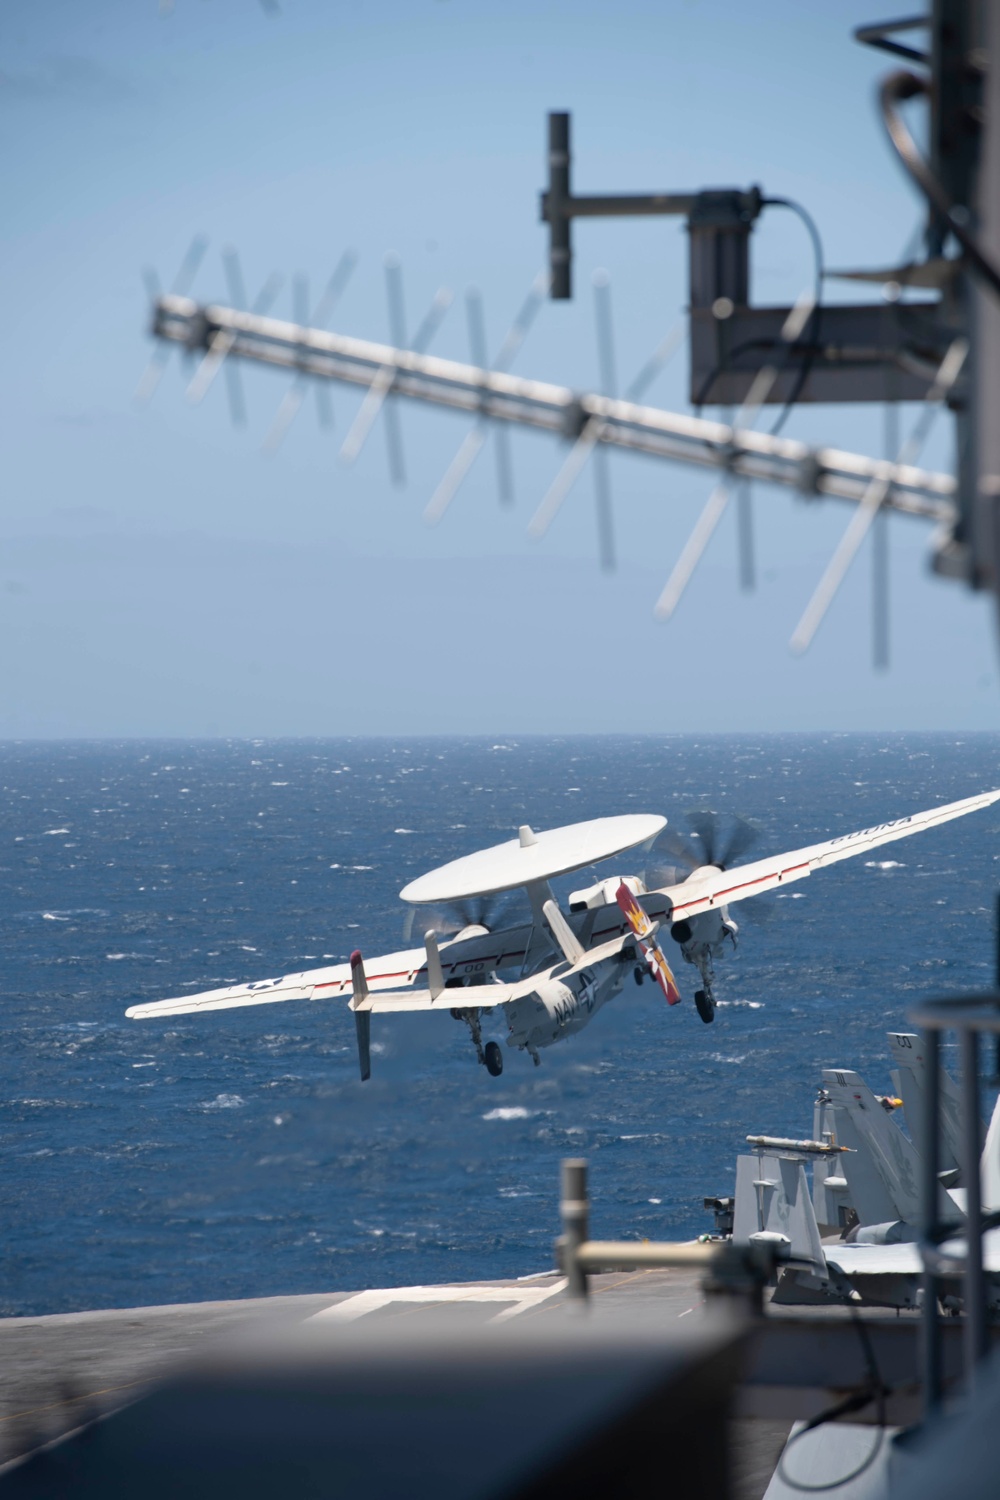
{"x": 705, "y": 932}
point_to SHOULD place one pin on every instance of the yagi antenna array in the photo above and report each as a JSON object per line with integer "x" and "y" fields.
{"x": 593, "y": 422}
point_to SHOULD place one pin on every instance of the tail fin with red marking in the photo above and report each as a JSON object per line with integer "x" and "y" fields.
{"x": 362, "y": 1018}
{"x": 645, "y": 931}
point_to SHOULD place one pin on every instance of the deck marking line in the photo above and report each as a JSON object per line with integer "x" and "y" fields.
{"x": 362, "y": 1303}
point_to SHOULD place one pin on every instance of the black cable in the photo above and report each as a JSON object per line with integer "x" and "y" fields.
{"x": 879, "y": 36}
{"x": 893, "y": 90}
{"x": 841, "y": 1409}
{"x": 808, "y": 339}
{"x": 810, "y": 333}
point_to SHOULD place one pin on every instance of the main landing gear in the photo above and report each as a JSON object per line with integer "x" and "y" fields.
{"x": 489, "y": 1055}
{"x": 705, "y": 1005}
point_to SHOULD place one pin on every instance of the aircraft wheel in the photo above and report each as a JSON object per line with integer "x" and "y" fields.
{"x": 494, "y": 1059}
{"x": 638, "y": 974}
{"x": 704, "y": 1006}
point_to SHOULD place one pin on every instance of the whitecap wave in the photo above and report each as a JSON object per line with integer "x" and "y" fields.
{"x": 508, "y": 1112}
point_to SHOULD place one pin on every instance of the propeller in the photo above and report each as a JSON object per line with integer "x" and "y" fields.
{"x": 502, "y": 909}
{"x": 715, "y": 839}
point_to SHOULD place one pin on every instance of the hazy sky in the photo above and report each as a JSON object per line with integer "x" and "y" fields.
{"x": 159, "y": 575}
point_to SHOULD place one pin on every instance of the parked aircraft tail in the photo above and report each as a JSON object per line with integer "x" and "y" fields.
{"x": 884, "y": 1172}
{"x": 773, "y": 1205}
{"x": 909, "y": 1081}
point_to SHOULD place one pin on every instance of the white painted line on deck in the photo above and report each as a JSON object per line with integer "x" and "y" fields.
{"x": 522, "y": 1298}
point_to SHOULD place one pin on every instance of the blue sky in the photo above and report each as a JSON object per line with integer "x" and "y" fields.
{"x": 159, "y": 575}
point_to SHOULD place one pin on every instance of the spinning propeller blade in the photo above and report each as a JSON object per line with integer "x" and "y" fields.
{"x": 723, "y": 843}
{"x": 721, "y": 840}
{"x": 504, "y": 909}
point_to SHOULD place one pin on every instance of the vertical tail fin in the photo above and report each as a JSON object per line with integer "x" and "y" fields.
{"x": 773, "y": 1202}
{"x": 362, "y": 1018}
{"x": 908, "y": 1079}
{"x": 435, "y": 975}
{"x": 884, "y": 1171}
{"x": 644, "y": 930}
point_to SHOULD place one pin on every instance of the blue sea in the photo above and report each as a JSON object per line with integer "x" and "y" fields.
{"x": 237, "y": 1154}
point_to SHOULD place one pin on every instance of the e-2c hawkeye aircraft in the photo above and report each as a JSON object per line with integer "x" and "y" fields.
{"x": 549, "y": 976}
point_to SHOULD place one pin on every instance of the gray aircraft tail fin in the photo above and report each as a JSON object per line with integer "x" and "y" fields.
{"x": 772, "y": 1200}
{"x": 832, "y": 1202}
{"x": 883, "y": 1171}
{"x": 909, "y": 1081}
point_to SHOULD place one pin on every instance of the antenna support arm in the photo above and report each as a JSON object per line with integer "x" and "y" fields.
{"x": 729, "y": 212}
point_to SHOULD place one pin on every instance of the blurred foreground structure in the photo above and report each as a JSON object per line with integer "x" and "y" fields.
{"x": 934, "y": 338}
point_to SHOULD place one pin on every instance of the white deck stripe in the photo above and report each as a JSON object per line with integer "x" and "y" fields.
{"x": 522, "y": 1298}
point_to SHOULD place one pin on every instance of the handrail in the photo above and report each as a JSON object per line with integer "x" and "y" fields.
{"x": 968, "y": 1015}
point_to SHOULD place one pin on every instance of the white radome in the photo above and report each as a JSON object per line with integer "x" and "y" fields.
{"x": 533, "y": 856}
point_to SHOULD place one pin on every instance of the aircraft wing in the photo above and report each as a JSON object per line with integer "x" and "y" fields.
{"x": 469, "y": 997}
{"x": 701, "y": 892}
{"x": 391, "y": 971}
{"x": 292, "y": 987}
{"x": 313, "y": 984}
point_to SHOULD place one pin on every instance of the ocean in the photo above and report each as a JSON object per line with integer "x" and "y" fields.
{"x": 237, "y": 1154}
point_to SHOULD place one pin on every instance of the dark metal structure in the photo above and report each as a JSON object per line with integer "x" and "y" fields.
{"x": 934, "y": 337}
{"x": 850, "y": 353}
